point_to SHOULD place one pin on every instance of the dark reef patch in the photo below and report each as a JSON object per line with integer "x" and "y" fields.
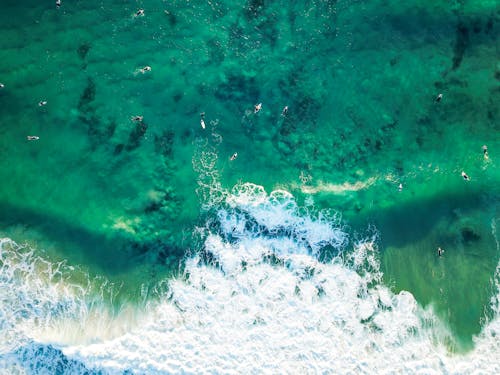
{"x": 216, "y": 51}
{"x": 469, "y": 235}
{"x": 136, "y": 135}
{"x": 83, "y": 50}
{"x": 238, "y": 88}
{"x": 98, "y": 131}
{"x": 253, "y": 8}
{"x": 461, "y": 44}
{"x": 87, "y": 96}
{"x": 164, "y": 143}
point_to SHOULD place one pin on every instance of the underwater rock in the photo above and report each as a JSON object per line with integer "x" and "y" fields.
{"x": 98, "y": 131}
{"x": 164, "y": 143}
{"x": 469, "y": 235}
{"x": 307, "y": 107}
{"x": 136, "y": 135}
{"x": 497, "y": 74}
{"x": 172, "y": 19}
{"x": 237, "y": 88}
{"x": 287, "y": 126}
{"x": 177, "y": 97}
{"x": 160, "y": 199}
{"x": 216, "y": 52}
{"x": 118, "y": 149}
{"x": 284, "y": 148}
{"x": 83, "y": 50}
{"x": 253, "y": 8}
{"x": 87, "y": 96}
{"x": 461, "y": 43}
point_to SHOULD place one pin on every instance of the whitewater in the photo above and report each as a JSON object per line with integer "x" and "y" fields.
{"x": 274, "y": 287}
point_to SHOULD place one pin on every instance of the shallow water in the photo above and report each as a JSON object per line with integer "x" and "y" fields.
{"x": 122, "y": 201}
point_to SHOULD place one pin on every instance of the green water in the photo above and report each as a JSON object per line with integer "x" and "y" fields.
{"x": 360, "y": 79}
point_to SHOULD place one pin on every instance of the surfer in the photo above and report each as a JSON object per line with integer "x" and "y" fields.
{"x": 145, "y": 69}
{"x": 58, "y": 3}
{"x": 440, "y": 251}
{"x": 464, "y": 175}
{"x": 42, "y": 103}
{"x": 137, "y": 118}
{"x": 284, "y": 112}
{"x": 32, "y": 138}
{"x": 139, "y": 13}
{"x": 439, "y": 97}
{"x": 202, "y": 120}
{"x": 233, "y": 156}
{"x": 400, "y": 187}
{"x": 257, "y": 108}
{"x": 2, "y": 85}
{"x": 485, "y": 151}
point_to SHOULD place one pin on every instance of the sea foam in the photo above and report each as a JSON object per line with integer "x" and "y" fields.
{"x": 264, "y": 303}
{"x": 256, "y": 297}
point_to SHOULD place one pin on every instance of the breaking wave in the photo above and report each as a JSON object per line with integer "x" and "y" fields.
{"x": 274, "y": 287}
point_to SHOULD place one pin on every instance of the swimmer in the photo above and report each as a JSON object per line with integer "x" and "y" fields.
{"x": 58, "y": 3}
{"x": 257, "y": 107}
{"x": 145, "y": 69}
{"x": 42, "y": 103}
{"x": 464, "y": 175}
{"x": 202, "y": 120}
{"x": 284, "y": 112}
{"x": 485, "y": 151}
{"x": 439, "y": 97}
{"x": 440, "y": 251}
{"x": 139, "y": 13}
{"x": 32, "y": 138}
{"x": 400, "y": 187}
{"x": 233, "y": 156}
{"x": 137, "y": 118}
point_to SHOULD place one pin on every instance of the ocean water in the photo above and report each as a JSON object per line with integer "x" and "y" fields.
{"x": 140, "y": 247}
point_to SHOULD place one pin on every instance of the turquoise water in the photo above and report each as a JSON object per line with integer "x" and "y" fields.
{"x": 130, "y": 203}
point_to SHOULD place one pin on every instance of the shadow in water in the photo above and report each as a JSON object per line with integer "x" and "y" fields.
{"x": 405, "y": 223}
{"x": 458, "y": 284}
{"x": 105, "y": 254}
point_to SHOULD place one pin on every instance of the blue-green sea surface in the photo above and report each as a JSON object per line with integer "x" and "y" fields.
{"x": 370, "y": 110}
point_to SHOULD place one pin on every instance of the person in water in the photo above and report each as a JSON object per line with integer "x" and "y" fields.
{"x": 485, "y": 152}
{"x": 2, "y": 85}
{"x": 32, "y": 138}
{"x": 440, "y": 251}
{"x": 257, "y": 108}
{"x": 465, "y": 176}
{"x": 202, "y": 120}
{"x": 42, "y": 103}
{"x": 439, "y": 97}
{"x": 234, "y": 156}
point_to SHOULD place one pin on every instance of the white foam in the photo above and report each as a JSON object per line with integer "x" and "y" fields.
{"x": 292, "y": 315}
{"x": 265, "y": 305}
{"x": 39, "y": 303}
